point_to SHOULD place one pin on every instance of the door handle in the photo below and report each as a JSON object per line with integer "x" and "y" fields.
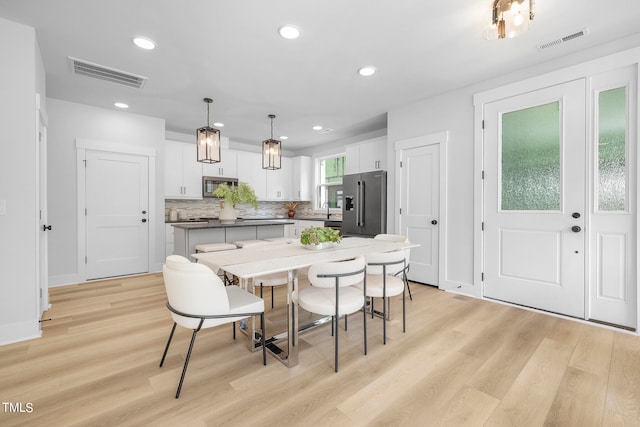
{"x": 576, "y": 229}
{"x": 46, "y": 228}
{"x": 144, "y": 219}
{"x": 434, "y": 222}
{"x": 144, "y": 212}
{"x": 576, "y": 215}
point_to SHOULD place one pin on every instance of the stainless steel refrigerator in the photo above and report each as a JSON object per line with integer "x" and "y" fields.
{"x": 364, "y": 207}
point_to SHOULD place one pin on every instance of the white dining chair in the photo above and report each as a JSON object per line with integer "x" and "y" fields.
{"x": 332, "y": 293}
{"x": 197, "y": 299}
{"x": 268, "y": 280}
{"x": 407, "y": 253}
{"x": 383, "y": 282}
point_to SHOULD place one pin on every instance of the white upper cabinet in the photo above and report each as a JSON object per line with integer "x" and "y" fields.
{"x": 279, "y": 181}
{"x": 250, "y": 171}
{"x": 227, "y": 167}
{"x": 301, "y": 178}
{"x": 268, "y": 184}
{"x": 182, "y": 171}
{"x": 366, "y": 156}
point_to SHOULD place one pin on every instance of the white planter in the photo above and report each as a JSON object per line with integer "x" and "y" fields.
{"x": 228, "y": 215}
{"x": 320, "y": 246}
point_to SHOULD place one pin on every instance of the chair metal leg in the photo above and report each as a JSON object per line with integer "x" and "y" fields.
{"x": 233, "y": 325}
{"x": 406, "y": 282}
{"x": 384, "y": 308}
{"x": 186, "y": 363}
{"x": 404, "y": 312}
{"x": 346, "y": 316}
{"x": 173, "y": 329}
{"x": 272, "y": 296}
{"x": 337, "y": 313}
{"x": 264, "y": 350}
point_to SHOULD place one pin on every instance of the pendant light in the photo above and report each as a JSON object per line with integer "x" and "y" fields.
{"x": 208, "y": 141}
{"x": 271, "y": 150}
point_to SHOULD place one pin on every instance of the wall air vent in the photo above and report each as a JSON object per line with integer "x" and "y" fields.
{"x": 89, "y": 69}
{"x": 564, "y": 39}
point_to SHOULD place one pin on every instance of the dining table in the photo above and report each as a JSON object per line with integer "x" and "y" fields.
{"x": 249, "y": 263}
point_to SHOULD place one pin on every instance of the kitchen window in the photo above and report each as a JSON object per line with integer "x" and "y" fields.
{"x": 329, "y": 172}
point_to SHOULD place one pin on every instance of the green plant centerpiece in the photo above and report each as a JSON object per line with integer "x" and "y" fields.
{"x": 319, "y": 237}
{"x": 232, "y": 195}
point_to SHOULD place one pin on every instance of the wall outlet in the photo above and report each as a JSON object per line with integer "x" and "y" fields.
{"x": 3, "y": 207}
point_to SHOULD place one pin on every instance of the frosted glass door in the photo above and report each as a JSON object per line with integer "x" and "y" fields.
{"x": 535, "y": 199}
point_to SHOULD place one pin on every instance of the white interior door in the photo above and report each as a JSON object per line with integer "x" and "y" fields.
{"x": 420, "y": 209}
{"x": 117, "y": 206}
{"x": 43, "y": 226}
{"x": 534, "y": 199}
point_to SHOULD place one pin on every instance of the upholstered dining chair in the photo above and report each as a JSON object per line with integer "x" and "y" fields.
{"x": 332, "y": 293}
{"x": 407, "y": 253}
{"x": 268, "y": 280}
{"x": 383, "y": 282}
{"x": 197, "y": 299}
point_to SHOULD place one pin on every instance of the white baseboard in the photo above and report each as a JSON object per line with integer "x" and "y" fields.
{"x": 19, "y": 331}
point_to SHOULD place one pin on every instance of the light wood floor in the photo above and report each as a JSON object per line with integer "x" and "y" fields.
{"x": 462, "y": 362}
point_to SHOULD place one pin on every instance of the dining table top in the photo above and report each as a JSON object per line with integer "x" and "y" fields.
{"x": 278, "y": 257}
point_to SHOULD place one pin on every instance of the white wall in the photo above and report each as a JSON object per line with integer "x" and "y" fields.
{"x": 454, "y": 112}
{"x": 70, "y": 121}
{"x": 21, "y": 75}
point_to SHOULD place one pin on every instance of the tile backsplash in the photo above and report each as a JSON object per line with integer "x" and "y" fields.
{"x": 211, "y": 208}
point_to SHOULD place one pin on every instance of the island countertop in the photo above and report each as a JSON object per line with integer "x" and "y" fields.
{"x": 238, "y": 223}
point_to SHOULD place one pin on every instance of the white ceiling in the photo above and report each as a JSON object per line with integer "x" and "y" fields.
{"x": 230, "y": 51}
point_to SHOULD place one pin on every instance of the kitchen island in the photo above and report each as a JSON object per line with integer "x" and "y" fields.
{"x": 188, "y": 235}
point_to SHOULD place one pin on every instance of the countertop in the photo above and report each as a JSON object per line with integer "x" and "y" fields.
{"x": 194, "y": 225}
{"x": 278, "y": 220}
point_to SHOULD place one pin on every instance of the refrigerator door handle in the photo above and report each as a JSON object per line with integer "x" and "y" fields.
{"x": 360, "y": 203}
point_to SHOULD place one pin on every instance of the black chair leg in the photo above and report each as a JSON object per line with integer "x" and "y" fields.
{"x": 168, "y": 342}
{"x": 272, "y": 296}
{"x": 346, "y": 316}
{"x": 186, "y": 363}
{"x": 264, "y": 350}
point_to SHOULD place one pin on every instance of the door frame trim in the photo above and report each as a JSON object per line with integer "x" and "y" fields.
{"x": 441, "y": 139}
{"x": 82, "y": 146}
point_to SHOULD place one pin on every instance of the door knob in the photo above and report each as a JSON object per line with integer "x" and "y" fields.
{"x": 434, "y": 222}
{"x": 144, "y": 219}
{"x": 46, "y": 228}
{"x": 144, "y": 212}
{"x": 576, "y": 215}
{"x": 576, "y": 229}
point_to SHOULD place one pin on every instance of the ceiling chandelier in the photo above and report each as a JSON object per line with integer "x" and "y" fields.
{"x": 208, "y": 141}
{"x": 510, "y": 18}
{"x": 271, "y": 150}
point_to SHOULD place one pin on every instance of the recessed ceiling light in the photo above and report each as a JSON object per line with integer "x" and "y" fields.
{"x": 317, "y": 127}
{"x": 121, "y": 105}
{"x": 367, "y": 71}
{"x": 219, "y": 124}
{"x": 284, "y": 137}
{"x": 289, "y": 32}
{"x": 144, "y": 43}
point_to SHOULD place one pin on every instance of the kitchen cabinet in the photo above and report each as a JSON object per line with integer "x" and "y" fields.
{"x": 226, "y": 168}
{"x": 278, "y": 181}
{"x": 268, "y": 184}
{"x": 182, "y": 172}
{"x": 366, "y": 156}
{"x": 294, "y": 230}
{"x": 302, "y": 178}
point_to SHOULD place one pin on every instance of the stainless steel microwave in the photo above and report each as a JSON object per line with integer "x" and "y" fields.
{"x": 210, "y": 183}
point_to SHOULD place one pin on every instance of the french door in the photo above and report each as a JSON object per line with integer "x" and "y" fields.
{"x": 559, "y": 199}
{"x": 534, "y": 199}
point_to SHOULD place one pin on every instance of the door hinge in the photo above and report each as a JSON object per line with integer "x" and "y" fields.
{"x": 85, "y": 259}
{"x": 85, "y": 163}
{"x": 482, "y": 174}
{"x": 85, "y": 211}
{"x": 400, "y": 211}
{"x": 482, "y": 277}
{"x": 40, "y": 293}
{"x": 401, "y": 163}
{"x": 482, "y": 227}
{"x": 482, "y": 123}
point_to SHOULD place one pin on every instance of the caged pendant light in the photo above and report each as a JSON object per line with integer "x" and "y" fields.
{"x": 271, "y": 150}
{"x": 510, "y": 18}
{"x": 208, "y": 141}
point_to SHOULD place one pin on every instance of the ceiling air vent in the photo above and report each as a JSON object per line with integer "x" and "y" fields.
{"x": 89, "y": 69}
{"x": 564, "y": 39}
{"x": 326, "y": 130}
